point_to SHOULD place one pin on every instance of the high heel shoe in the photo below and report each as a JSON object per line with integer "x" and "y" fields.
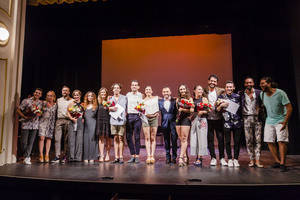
{"x": 148, "y": 161}
{"x": 152, "y": 160}
{"x": 186, "y": 160}
{"x": 101, "y": 159}
{"x": 41, "y": 159}
{"x": 46, "y": 158}
{"x": 181, "y": 163}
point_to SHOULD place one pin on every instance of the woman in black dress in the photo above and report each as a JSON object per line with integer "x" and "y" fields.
{"x": 183, "y": 122}
{"x": 103, "y": 125}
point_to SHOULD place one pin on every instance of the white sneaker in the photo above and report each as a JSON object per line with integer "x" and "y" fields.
{"x": 223, "y": 162}
{"x": 27, "y": 161}
{"x": 213, "y": 162}
{"x": 91, "y": 161}
{"x": 230, "y": 163}
{"x": 236, "y": 163}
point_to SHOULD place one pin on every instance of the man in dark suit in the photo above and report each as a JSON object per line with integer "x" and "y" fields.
{"x": 167, "y": 106}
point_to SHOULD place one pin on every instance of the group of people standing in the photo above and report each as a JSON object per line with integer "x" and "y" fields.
{"x": 86, "y": 128}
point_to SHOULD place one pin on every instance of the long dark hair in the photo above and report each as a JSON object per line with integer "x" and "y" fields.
{"x": 187, "y": 93}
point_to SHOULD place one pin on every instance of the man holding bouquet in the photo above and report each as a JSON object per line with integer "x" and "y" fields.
{"x": 30, "y": 110}
{"x": 214, "y": 121}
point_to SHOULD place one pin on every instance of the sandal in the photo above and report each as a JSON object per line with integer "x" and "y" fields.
{"x": 107, "y": 158}
{"x": 186, "y": 160}
{"x": 181, "y": 163}
{"x": 152, "y": 160}
{"x": 101, "y": 159}
{"x": 148, "y": 161}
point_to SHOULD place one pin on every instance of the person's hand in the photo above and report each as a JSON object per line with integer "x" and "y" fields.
{"x": 180, "y": 109}
{"x": 74, "y": 120}
{"x": 284, "y": 123}
{"x": 202, "y": 112}
{"x": 113, "y": 109}
{"x": 156, "y": 114}
{"x": 224, "y": 104}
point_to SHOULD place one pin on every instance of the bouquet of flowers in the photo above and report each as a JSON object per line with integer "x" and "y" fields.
{"x": 76, "y": 111}
{"x": 31, "y": 112}
{"x": 203, "y": 106}
{"x": 140, "y": 107}
{"x": 183, "y": 103}
{"x": 108, "y": 104}
{"x": 36, "y": 110}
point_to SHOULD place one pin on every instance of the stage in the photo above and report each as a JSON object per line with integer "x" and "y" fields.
{"x": 148, "y": 181}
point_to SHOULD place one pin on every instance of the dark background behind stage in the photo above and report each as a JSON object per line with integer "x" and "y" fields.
{"x": 63, "y": 43}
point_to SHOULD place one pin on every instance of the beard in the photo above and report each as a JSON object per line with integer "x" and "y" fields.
{"x": 212, "y": 85}
{"x": 249, "y": 88}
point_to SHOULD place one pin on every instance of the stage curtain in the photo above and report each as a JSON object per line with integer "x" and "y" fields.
{"x": 50, "y": 2}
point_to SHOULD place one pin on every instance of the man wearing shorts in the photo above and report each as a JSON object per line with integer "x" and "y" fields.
{"x": 118, "y": 124}
{"x": 279, "y": 110}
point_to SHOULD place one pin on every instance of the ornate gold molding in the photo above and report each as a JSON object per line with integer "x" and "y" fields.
{"x": 51, "y": 2}
{"x": 8, "y": 13}
{"x": 4, "y": 104}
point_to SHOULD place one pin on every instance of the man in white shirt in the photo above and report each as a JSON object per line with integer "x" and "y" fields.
{"x": 62, "y": 124}
{"x": 134, "y": 122}
{"x": 214, "y": 121}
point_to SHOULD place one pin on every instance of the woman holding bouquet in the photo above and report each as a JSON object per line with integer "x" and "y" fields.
{"x": 47, "y": 125}
{"x": 198, "y": 137}
{"x": 90, "y": 142}
{"x": 185, "y": 106}
{"x": 150, "y": 128}
{"x": 103, "y": 125}
{"x": 75, "y": 113}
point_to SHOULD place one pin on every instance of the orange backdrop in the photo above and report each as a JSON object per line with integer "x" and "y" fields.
{"x": 166, "y": 61}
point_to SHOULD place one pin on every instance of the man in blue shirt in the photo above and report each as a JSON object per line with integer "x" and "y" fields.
{"x": 279, "y": 110}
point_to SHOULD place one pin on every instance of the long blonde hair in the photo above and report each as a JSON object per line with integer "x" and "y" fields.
{"x": 100, "y": 99}
{"x": 94, "y": 101}
{"x": 54, "y": 95}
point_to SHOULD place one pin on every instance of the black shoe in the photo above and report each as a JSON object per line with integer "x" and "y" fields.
{"x": 121, "y": 161}
{"x": 117, "y": 160}
{"x": 168, "y": 160}
{"x": 276, "y": 165}
{"x": 174, "y": 161}
{"x": 55, "y": 160}
{"x": 283, "y": 168}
